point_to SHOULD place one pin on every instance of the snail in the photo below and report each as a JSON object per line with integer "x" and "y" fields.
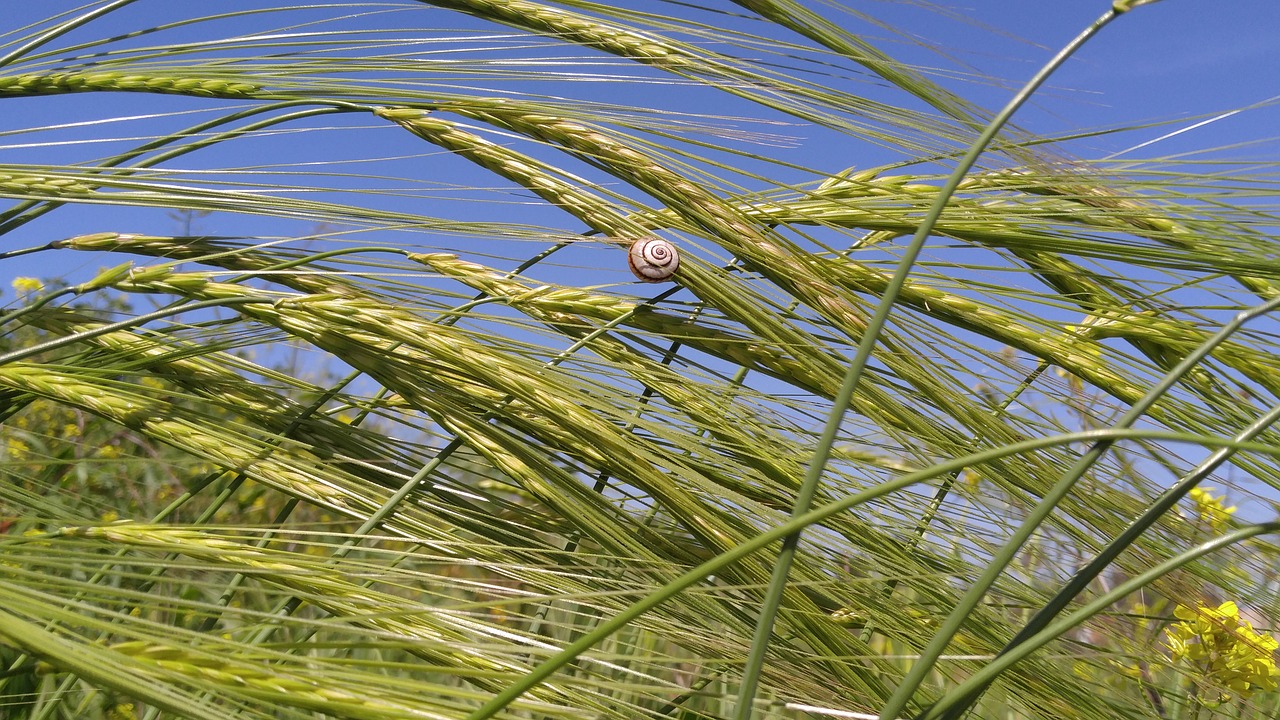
{"x": 653, "y": 259}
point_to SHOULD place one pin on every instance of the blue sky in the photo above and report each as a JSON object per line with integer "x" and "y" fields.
{"x": 1174, "y": 59}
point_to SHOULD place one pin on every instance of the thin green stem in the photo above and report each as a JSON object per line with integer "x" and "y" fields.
{"x": 39, "y": 303}
{"x": 290, "y": 604}
{"x": 56, "y": 343}
{"x": 767, "y": 538}
{"x": 27, "y": 211}
{"x": 782, "y": 567}
{"x": 1149, "y": 517}
{"x": 1051, "y": 632}
{"x": 60, "y": 30}
{"x": 935, "y": 504}
{"x": 85, "y": 662}
{"x": 1005, "y": 555}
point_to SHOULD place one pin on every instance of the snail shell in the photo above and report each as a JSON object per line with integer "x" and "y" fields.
{"x": 653, "y": 259}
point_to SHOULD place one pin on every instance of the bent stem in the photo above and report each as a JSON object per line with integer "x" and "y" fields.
{"x": 717, "y": 564}
{"x": 983, "y": 677}
{"x": 1001, "y": 559}
{"x": 782, "y": 566}
{"x": 1082, "y": 578}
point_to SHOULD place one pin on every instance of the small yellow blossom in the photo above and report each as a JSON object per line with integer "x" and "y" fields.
{"x": 151, "y": 382}
{"x": 16, "y": 448}
{"x": 122, "y": 711}
{"x": 1212, "y": 510}
{"x": 110, "y": 516}
{"x": 26, "y": 285}
{"x": 1224, "y": 650}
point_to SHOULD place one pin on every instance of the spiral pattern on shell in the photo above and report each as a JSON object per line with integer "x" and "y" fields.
{"x": 653, "y": 259}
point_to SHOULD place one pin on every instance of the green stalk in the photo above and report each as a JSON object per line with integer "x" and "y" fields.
{"x": 777, "y": 584}
{"x": 986, "y": 675}
{"x": 1005, "y": 555}
{"x": 38, "y": 303}
{"x": 29, "y": 210}
{"x": 84, "y": 662}
{"x": 800, "y": 19}
{"x": 66, "y": 27}
{"x": 720, "y": 562}
{"x": 60, "y": 693}
{"x": 935, "y": 504}
{"x": 1085, "y": 575}
{"x": 289, "y": 605}
{"x": 56, "y": 343}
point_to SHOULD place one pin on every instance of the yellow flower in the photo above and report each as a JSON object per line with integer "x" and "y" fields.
{"x": 1224, "y": 650}
{"x": 1212, "y": 510}
{"x": 26, "y": 285}
{"x": 16, "y": 448}
{"x": 122, "y": 711}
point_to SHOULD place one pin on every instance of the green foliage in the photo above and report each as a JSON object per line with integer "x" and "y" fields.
{"x": 403, "y": 439}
